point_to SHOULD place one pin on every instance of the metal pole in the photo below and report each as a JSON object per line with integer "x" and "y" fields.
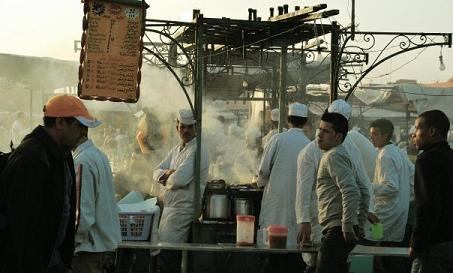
{"x": 303, "y": 77}
{"x": 199, "y": 58}
{"x": 274, "y": 101}
{"x": 282, "y": 89}
{"x": 353, "y": 21}
{"x": 334, "y": 61}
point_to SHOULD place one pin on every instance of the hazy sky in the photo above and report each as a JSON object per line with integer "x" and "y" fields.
{"x": 49, "y": 27}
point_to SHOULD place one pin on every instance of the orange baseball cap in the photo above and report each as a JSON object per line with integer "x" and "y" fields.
{"x": 70, "y": 106}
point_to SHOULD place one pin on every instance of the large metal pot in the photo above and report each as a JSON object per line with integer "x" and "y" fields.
{"x": 217, "y": 206}
{"x": 242, "y": 206}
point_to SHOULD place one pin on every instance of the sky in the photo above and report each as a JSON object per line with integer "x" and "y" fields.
{"x": 48, "y": 28}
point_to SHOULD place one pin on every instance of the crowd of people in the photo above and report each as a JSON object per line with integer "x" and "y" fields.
{"x": 337, "y": 197}
{"x": 58, "y": 209}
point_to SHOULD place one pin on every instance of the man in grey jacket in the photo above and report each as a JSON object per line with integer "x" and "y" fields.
{"x": 339, "y": 197}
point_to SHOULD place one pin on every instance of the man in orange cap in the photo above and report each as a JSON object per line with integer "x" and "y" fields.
{"x": 38, "y": 192}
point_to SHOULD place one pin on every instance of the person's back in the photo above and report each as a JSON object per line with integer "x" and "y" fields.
{"x": 99, "y": 228}
{"x": 392, "y": 191}
{"x": 278, "y": 174}
{"x": 366, "y": 149}
{"x": 280, "y": 193}
{"x": 306, "y": 199}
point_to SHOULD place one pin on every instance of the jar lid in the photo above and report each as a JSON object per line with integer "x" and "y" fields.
{"x": 245, "y": 218}
{"x": 277, "y": 229}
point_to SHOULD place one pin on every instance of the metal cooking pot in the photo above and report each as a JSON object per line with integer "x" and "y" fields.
{"x": 217, "y": 206}
{"x": 216, "y": 184}
{"x": 242, "y": 206}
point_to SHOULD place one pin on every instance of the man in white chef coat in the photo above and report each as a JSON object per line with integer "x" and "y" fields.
{"x": 277, "y": 174}
{"x": 392, "y": 190}
{"x": 176, "y": 173}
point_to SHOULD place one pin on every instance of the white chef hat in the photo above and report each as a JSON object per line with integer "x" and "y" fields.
{"x": 298, "y": 109}
{"x": 275, "y": 114}
{"x": 185, "y": 116}
{"x": 340, "y": 106}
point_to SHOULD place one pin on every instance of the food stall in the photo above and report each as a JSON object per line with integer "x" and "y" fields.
{"x": 230, "y": 59}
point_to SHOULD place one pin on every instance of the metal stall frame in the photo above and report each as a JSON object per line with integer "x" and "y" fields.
{"x": 188, "y": 48}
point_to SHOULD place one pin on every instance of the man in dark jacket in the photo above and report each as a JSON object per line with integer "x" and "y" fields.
{"x": 39, "y": 192}
{"x": 432, "y": 237}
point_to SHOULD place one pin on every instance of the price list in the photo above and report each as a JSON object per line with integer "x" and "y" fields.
{"x": 111, "y": 61}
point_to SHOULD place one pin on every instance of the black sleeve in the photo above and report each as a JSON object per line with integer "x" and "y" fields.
{"x": 427, "y": 200}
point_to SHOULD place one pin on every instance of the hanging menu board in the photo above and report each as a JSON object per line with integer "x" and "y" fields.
{"x": 110, "y": 59}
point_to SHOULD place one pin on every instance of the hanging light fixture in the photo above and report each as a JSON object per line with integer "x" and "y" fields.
{"x": 441, "y": 61}
{"x": 320, "y": 58}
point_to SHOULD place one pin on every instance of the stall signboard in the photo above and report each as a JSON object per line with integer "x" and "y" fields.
{"x": 111, "y": 54}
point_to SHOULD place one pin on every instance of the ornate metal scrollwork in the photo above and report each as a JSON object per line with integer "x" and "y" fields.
{"x": 310, "y": 57}
{"x": 163, "y": 50}
{"x": 359, "y": 57}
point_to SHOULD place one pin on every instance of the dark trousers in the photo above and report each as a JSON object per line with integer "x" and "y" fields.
{"x": 333, "y": 252}
{"x": 169, "y": 261}
{"x": 285, "y": 263}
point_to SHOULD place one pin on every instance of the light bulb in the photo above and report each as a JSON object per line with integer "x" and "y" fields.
{"x": 441, "y": 65}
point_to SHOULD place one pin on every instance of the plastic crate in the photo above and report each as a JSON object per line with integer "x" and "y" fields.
{"x": 136, "y": 226}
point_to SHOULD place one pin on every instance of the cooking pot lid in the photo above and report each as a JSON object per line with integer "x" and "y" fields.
{"x": 216, "y": 184}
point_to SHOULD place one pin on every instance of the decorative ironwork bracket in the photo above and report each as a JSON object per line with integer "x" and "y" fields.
{"x": 356, "y": 48}
{"x": 169, "y": 52}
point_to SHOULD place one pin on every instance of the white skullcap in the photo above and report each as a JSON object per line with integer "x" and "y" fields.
{"x": 185, "y": 116}
{"x": 340, "y": 106}
{"x": 275, "y": 114}
{"x": 412, "y": 130}
{"x": 298, "y": 109}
